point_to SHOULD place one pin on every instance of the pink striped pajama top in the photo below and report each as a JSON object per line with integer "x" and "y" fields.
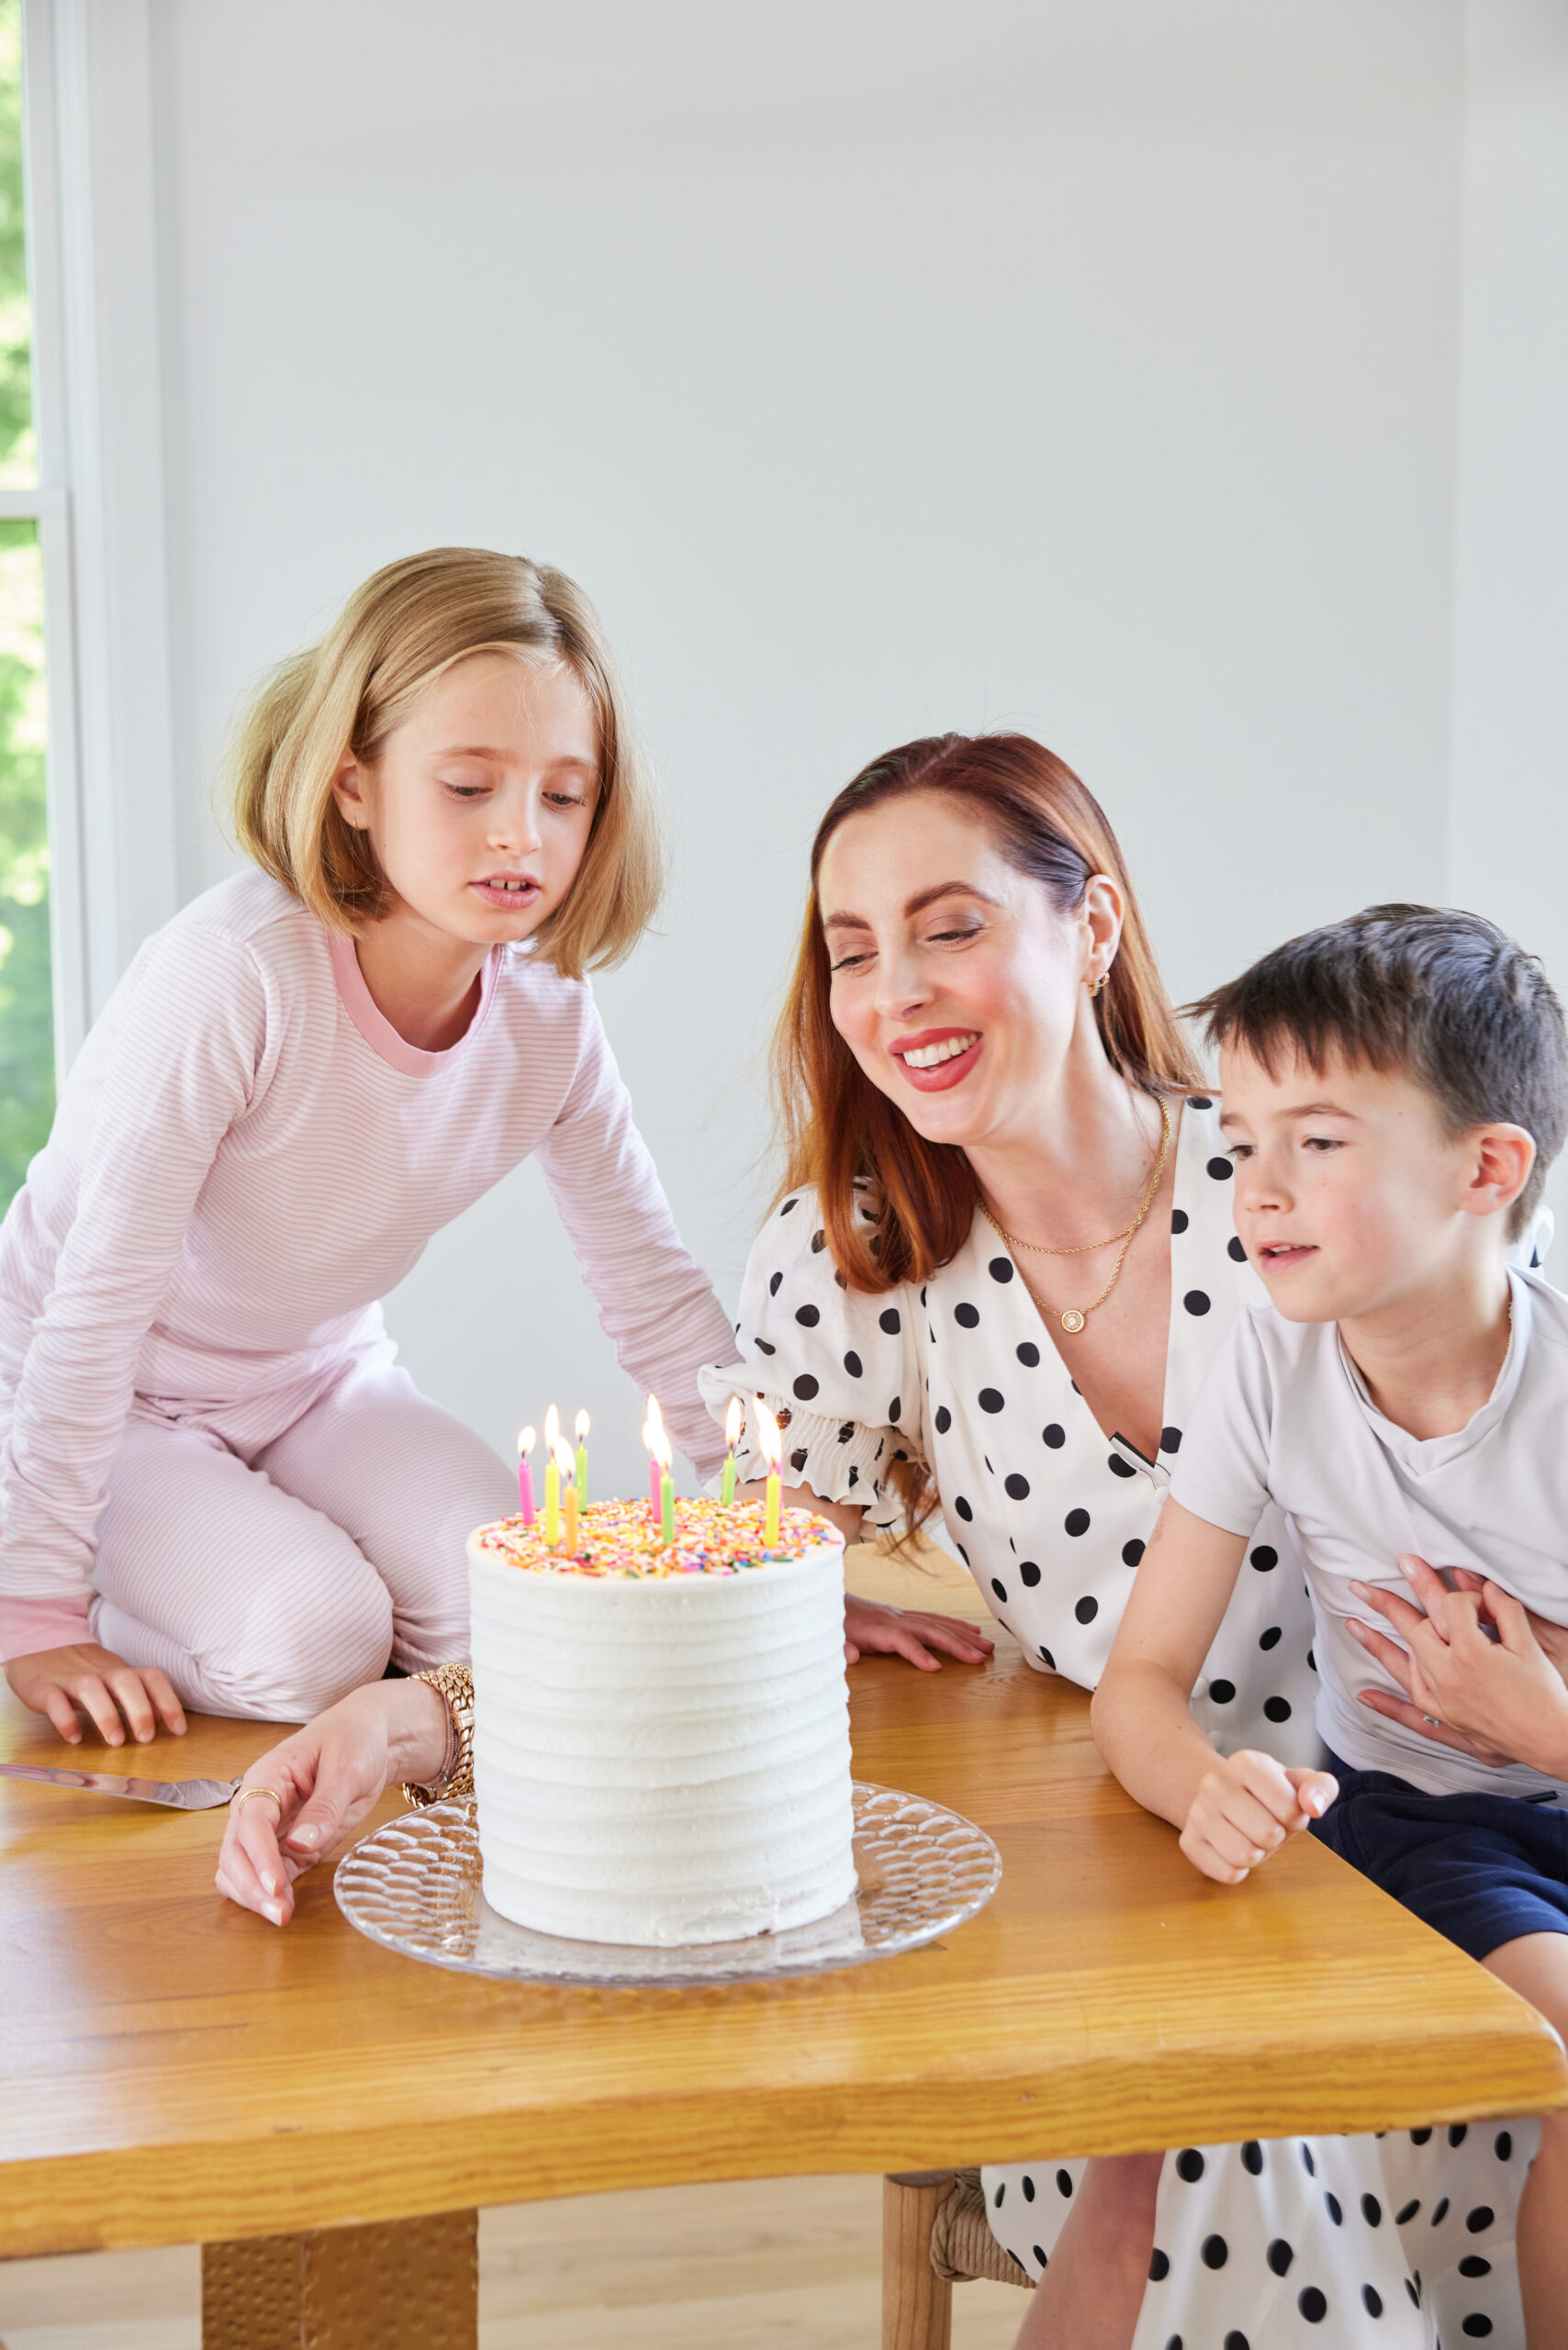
{"x": 245, "y": 1157}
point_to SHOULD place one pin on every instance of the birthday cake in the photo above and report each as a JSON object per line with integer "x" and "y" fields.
{"x": 661, "y": 1741}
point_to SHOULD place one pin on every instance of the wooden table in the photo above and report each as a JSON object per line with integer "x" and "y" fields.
{"x": 171, "y": 2069}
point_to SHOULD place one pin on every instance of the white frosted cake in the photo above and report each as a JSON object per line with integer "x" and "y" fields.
{"x": 661, "y": 1741}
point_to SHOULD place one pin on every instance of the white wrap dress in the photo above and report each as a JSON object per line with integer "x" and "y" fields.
{"x": 1396, "y": 2240}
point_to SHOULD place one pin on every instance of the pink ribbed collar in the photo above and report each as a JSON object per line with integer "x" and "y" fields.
{"x": 377, "y": 1030}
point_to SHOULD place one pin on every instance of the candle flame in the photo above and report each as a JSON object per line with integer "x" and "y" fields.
{"x": 655, "y": 1418}
{"x": 734, "y": 1418}
{"x": 582, "y": 1426}
{"x": 552, "y": 1430}
{"x": 561, "y": 1452}
{"x": 771, "y": 1435}
{"x": 526, "y": 1440}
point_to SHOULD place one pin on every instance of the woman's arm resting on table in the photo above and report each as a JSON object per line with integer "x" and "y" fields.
{"x": 1232, "y": 1814}
{"x": 1502, "y": 1701}
{"x": 326, "y": 1777}
{"x": 871, "y": 1629}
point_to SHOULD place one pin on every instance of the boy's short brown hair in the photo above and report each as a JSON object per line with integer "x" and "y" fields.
{"x": 1445, "y": 998}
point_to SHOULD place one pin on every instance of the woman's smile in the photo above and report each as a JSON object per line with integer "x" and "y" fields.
{"x": 934, "y": 1060}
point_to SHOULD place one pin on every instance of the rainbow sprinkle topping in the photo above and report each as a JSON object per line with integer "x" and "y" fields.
{"x": 623, "y": 1538}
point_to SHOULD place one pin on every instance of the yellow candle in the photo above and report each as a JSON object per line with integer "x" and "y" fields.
{"x": 551, "y": 1505}
{"x": 772, "y": 1438}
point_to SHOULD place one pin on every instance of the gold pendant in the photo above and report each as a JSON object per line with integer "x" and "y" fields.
{"x": 1072, "y": 1320}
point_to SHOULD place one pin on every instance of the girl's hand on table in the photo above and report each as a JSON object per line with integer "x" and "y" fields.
{"x": 113, "y": 1694}
{"x": 325, "y": 1778}
{"x": 871, "y": 1629}
{"x": 1246, "y": 1808}
{"x": 1500, "y": 1700}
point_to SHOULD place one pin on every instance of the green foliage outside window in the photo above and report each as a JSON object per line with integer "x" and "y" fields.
{"x": 27, "y": 1033}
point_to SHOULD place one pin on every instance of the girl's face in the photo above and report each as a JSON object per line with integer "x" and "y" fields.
{"x": 480, "y": 804}
{"x": 957, "y": 985}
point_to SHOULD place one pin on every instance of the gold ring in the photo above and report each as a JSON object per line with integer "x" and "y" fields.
{"x": 243, "y": 1797}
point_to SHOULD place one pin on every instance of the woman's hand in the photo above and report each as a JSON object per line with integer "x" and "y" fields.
{"x": 113, "y": 1694}
{"x": 325, "y": 1778}
{"x": 1499, "y": 1700}
{"x": 1246, "y": 1808}
{"x": 870, "y": 1629}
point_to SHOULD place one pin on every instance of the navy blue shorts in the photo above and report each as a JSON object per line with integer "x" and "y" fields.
{"x": 1482, "y": 1869}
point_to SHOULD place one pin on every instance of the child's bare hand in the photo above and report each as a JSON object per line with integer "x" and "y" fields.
{"x": 870, "y": 1629}
{"x": 114, "y": 1696}
{"x": 1501, "y": 1700}
{"x": 1244, "y": 1810}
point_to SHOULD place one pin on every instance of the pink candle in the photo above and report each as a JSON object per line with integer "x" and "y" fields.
{"x": 656, "y": 1500}
{"x": 525, "y": 1477}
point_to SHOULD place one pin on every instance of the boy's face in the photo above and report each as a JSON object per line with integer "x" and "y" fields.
{"x": 1350, "y": 1194}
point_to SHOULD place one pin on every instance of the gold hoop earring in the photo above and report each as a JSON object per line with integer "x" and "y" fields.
{"x": 1096, "y": 986}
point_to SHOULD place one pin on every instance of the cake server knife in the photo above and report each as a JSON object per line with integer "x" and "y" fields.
{"x": 180, "y": 1795}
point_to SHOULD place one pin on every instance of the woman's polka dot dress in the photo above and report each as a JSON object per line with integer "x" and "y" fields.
{"x": 1259, "y": 2245}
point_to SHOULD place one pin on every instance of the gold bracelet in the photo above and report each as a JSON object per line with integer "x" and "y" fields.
{"x": 455, "y": 1686}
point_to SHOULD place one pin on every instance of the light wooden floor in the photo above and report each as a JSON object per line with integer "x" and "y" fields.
{"x": 792, "y": 2261}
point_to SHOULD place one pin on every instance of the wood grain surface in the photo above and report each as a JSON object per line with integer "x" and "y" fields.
{"x": 174, "y": 2070}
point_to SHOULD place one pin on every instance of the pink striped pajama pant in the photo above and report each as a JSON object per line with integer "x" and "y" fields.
{"x": 269, "y": 1586}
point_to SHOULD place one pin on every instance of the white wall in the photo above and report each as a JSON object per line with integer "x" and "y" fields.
{"x": 1510, "y": 808}
{"x": 1084, "y": 365}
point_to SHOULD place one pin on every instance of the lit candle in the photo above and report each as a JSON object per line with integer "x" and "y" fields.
{"x": 732, "y": 1438}
{"x": 664, "y": 1460}
{"x": 552, "y": 1477}
{"x": 654, "y": 1438}
{"x": 582, "y": 1426}
{"x": 568, "y": 1483}
{"x": 525, "y": 1444}
{"x": 773, "y": 1446}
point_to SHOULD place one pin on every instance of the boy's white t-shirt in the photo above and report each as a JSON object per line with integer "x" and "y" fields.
{"x": 1283, "y": 1416}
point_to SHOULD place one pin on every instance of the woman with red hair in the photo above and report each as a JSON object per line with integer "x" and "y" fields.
{"x": 1002, "y": 1261}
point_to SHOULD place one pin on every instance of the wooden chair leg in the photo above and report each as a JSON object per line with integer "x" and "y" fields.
{"x": 917, "y": 2304}
{"x": 402, "y": 2285}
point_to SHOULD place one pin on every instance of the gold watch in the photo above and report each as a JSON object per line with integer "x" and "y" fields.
{"x": 454, "y": 1684}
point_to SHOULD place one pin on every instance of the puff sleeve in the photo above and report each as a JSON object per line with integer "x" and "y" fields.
{"x": 838, "y": 1368}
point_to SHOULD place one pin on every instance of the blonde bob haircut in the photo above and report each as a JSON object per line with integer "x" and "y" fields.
{"x": 395, "y": 634}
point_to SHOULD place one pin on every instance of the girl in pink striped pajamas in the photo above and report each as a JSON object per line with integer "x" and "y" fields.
{"x": 218, "y": 1487}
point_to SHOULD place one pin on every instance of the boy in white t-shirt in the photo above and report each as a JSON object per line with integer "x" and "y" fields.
{"x": 1396, "y": 1087}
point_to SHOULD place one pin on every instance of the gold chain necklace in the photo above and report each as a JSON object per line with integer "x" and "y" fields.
{"x": 1074, "y": 1316}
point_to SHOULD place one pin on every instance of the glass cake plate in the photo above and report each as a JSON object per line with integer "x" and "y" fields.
{"x": 414, "y": 1887}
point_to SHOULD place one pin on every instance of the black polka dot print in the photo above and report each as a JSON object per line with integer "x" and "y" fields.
{"x": 1280, "y": 2256}
{"x": 788, "y": 1205}
{"x": 1331, "y": 2204}
{"x": 1277, "y": 1710}
{"x": 1440, "y": 2213}
{"x": 1371, "y": 2210}
{"x": 819, "y": 1242}
{"x": 1407, "y": 2212}
{"x": 808, "y": 1316}
{"x": 1040, "y": 1492}
{"x": 775, "y": 1285}
{"x": 804, "y": 1388}
{"x": 1372, "y": 2301}
{"x": 1159, "y": 2267}
{"x": 1200, "y": 1101}
{"x": 1478, "y": 2221}
{"x": 1234, "y": 1250}
{"x": 1221, "y": 1169}
{"x": 1502, "y": 2146}
{"x": 891, "y": 1320}
{"x": 1028, "y": 2188}
{"x": 1313, "y": 2303}
{"x": 1458, "y": 2132}
{"x": 895, "y": 1410}
{"x": 1064, "y": 2182}
{"x": 1307, "y": 2164}
{"x": 1190, "y": 2164}
{"x": 765, "y": 1347}
{"x": 1473, "y": 2264}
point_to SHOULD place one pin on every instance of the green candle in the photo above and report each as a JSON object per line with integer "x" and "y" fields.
{"x": 732, "y": 1438}
{"x": 581, "y": 1463}
{"x": 666, "y": 1508}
